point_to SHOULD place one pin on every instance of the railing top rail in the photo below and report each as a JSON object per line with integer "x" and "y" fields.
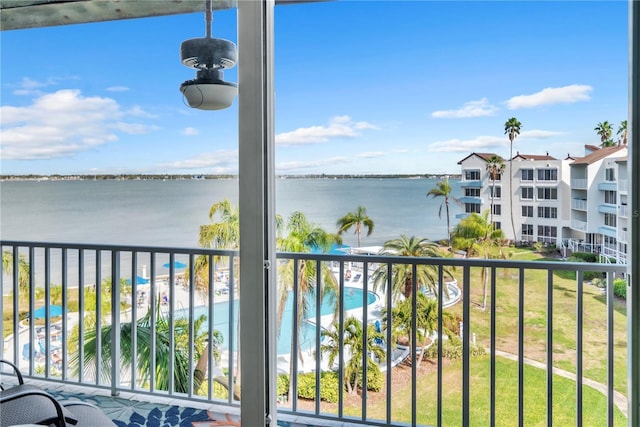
{"x": 473, "y": 262}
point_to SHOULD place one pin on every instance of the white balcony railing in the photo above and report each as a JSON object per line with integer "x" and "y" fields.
{"x": 579, "y": 204}
{"x": 579, "y": 225}
{"x": 179, "y": 307}
{"x": 579, "y": 183}
{"x": 623, "y": 211}
{"x": 623, "y": 186}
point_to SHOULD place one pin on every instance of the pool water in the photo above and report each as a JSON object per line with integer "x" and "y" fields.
{"x": 353, "y": 298}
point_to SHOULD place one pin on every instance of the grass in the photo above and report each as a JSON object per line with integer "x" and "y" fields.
{"x": 506, "y": 411}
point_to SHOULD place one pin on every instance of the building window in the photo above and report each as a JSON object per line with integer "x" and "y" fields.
{"x": 547, "y": 174}
{"x": 547, "y": 193}
{"x": 547, "y": 212}
{"x": 497, "y": 209}
{"x": 527, "y": 229}
{"x": 472, "y": 175}
{"x": 526, "y": 193}
{"x": 497, "y": 225}
{"x": 527, "y": 211}
{"x": 610, "y": 220}
{"x": 472, "y": 208}
{"x": 547, "y": 231}
{"x": 609, "y": 174}
{"x": 472, "y": 192}
{"x": 610, "y": 197}
{"x": 495, "y": 191}
{"x": 526, "y": 174}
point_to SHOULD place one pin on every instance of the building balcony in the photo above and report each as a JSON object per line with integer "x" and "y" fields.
{"x": 623, "y": 211}
{"x": 623, "y": 186}
{"x": 579, "y": 204}
{"x": 608, "y": 231}
{"x": 148, "y": 301}
{"x": 471, "y": 200}
{"x": 471, "y": 184}
{"x": 608, "y": 208}
{"x": 608, "y": 186}
{"x": 581, "y": 184}
{"x": 579, "y": 225}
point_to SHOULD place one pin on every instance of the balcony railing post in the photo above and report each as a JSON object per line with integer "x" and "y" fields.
{"x": 115, "y": 322}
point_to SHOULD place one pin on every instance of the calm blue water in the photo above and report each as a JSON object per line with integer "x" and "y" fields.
{"x": 352, "y": 300}
{"x": 169, "y": 213}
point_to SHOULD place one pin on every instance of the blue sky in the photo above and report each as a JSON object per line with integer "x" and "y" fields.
{"x": 361, "y": 87}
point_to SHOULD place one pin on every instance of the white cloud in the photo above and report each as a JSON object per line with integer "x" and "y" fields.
{"x": 551, "y": 95}
{"x": 221, "y": 161}
{"x": 338, "y": 127}
{"x": 117, "y": 88}
{"x": 371, "y": 154}
{"x": 189, "y": 131}
{"x": 539, "y": 134}
{"x": 62, "y": 124}
{"x": 480, "y": 143}
{"x": 301, "y": 165}
{"x": 137, "y": 111}
{"x": 28, "y": 86}
{"x": 479, "y": 108}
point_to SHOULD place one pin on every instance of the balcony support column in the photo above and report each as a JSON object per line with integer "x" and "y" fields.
{"x": 257, "y": 213}
{"x": 633, "y": 255}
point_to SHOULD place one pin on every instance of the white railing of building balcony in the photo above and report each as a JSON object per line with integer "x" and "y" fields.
{"x": 579, "y": 204}
{"x": 78, "y": 279}
{"x": 579, "y": 183}
{"x": 623, "y": 186}
{"x": 579, "y": 225}
{"x": 623, "y": 211}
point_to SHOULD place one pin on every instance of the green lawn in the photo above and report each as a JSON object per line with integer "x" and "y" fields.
{"x": 564, "y": 400}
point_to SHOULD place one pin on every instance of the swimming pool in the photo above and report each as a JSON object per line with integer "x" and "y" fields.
{"x": 352, "y": 300}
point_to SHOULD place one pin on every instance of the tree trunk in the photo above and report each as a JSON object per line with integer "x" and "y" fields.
{"x": 513, "y": 226}
{"x": 486, "y": 281}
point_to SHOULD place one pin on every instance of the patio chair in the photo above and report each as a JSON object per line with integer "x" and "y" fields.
{"x": 25, "y": 404}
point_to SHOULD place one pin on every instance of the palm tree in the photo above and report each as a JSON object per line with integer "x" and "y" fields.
{"x": 426, "y": 321}
{"x": 356, "y": 219}
{"x": 495, "y": 167}
{"x": 604, "y": 130}
{"x": 23, "y": 268}
{"x": 142, "y": 364}
{"x": 476, "y": 235}
{"x": 402, "y": 281}
{"x": 622, "y": 131}
{"x": 443, "y": 189}
{"x": 354, "y": 348}
{"x": 511, "y": 128}
{"x": 302, "y": 236}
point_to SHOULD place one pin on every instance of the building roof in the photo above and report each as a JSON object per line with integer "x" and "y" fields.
{"x": 533, "y": 157}
{"x": 622, "y": 159}
{"x": 590, "y": 147}
{"x": 483, "y": 156}
{"x": 599, "y": 154}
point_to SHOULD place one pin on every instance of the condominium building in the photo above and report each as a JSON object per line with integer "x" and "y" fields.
{"x": 577, "y": 203}
{"x": 540, "y": 213}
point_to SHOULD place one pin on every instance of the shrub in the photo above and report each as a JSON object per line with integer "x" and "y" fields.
{"x": 283, "y": 384}
{"x": 328, "y": 386}
{"x": 375, "y": 378}
{"x": 620, "y": 288}
{"x": 591, "y": 275}
{"x": 584, "y": 256}
{"x": 452, "y": 349}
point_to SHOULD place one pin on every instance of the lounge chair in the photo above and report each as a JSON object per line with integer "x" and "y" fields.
{"x": 24, "y": 404}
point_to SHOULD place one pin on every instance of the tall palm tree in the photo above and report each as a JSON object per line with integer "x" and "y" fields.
{"x": 512, "y": 129}
{"x": 356, "y": 219}
{"x": 300, "y": 235}
{"x": 495, "y": 168}
{"x": 604, "y": 130}
{"x": 354, "y": 348}
{"x": 23, "y": 268}
{"x": 443, "y": 189}
{"x": 402, "y": 280}
{"x": 622, "y": 131}
{"x": 476, "y": 235}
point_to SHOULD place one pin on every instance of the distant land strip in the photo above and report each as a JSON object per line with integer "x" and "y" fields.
{"x": 107, "y": 177}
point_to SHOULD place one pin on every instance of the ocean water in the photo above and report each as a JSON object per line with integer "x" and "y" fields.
{"x": 169, "y": 213}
